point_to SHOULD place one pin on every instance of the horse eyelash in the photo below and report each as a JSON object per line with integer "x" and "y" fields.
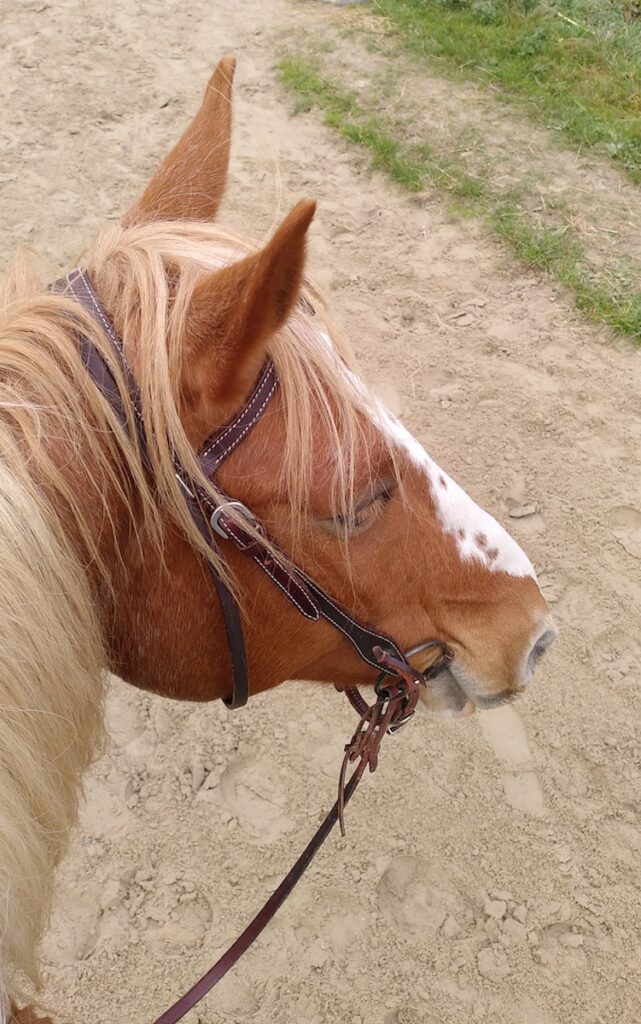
{"x": 355, "y": 520}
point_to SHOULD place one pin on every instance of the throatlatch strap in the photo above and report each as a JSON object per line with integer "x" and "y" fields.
{"x": 231, "y": 618}
{"x": 78, "y": 285}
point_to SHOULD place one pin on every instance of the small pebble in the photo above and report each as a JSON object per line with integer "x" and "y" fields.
{"x": 317, "y": 956}
{"x": 492, "y": 930}
{"x": 501, "y": 894}
{"x": 112, "y": 894}
{"x": 522, "y": 511}
{"x": 451, "y": 928}
{"x": 197, "y": 775}
{"x": 514, "y": 931}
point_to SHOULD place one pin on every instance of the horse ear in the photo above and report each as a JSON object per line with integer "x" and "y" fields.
{"x": 232, "y": 313}
{"x": 190, "y": 182}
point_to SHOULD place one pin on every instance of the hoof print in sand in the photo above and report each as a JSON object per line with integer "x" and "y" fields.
{"x": 235, "y": 999}
{"x": 82, "y": 904}
{"x": 492, "y": 965}
{"x": 413, "y": 901}
{"x": 184, "y": 929}
{"x": 625, "y": 523}
{"x": 412, "y": 1014}
{"x": 253, "y": 793}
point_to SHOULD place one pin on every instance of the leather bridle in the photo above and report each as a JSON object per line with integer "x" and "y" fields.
{"x": 225, "y": 521}
{"x": 397, "y": 684}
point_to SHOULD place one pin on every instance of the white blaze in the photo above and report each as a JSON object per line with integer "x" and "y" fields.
{"x": 477, "y": 533}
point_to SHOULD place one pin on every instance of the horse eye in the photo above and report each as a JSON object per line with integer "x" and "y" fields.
{"x": 359, "y": 518}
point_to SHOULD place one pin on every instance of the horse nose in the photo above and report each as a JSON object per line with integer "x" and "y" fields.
{"x": 541, "y": 645}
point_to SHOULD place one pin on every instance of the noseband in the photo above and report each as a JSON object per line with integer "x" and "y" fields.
{"x": 397, "y": 684}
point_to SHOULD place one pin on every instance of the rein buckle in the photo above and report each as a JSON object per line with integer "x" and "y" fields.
{"x": 217, "y": 514}
{"x": 401, "y": 723}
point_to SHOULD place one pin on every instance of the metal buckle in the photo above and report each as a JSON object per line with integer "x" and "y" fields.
{"x": 446, "y": 657}
{"x": 393, "y": 729}
{"x": 384, "y": 690}
{"x": 214, "y": 519}
{"x": 384, "y": 694}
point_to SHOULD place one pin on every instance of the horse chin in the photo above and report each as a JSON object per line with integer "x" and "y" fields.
{"x": 444, "y": 697}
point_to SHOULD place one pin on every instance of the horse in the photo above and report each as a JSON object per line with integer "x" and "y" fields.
{"x": 105, "y": 568}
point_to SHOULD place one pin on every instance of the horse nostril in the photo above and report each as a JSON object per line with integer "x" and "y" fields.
{"x": 541, "y": 646}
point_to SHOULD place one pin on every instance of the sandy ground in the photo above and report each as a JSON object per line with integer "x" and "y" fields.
{"x": 499, "y": 882}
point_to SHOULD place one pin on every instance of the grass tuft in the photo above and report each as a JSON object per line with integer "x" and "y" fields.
{"x": 555, "y": 251}
{"x": 413, "y": 167}
{"x": 575, "y": 63}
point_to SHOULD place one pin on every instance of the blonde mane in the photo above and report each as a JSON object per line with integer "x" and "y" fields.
{"x": 51, "y": 650}
{"x": 51, "y": 683}
{"x": 147, "y": 275}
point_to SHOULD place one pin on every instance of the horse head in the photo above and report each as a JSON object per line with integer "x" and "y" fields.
{"x": 338, "y": 482}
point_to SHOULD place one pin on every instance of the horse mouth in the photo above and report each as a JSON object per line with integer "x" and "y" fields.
{"x": 452, "y": 695}
{"x": 445, "y": 697}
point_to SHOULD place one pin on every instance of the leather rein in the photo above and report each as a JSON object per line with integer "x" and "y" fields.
{"x": 397, "y": 683}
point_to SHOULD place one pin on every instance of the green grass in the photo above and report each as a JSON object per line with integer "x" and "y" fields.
{"x": 411, "y": 166}
{"x": 576, "y": 63}
{"x": 556, "y": 251}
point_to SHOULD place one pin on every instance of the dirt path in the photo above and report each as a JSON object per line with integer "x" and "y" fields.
{"x": 488, "y": 137}
{"x": 501, "y": 885}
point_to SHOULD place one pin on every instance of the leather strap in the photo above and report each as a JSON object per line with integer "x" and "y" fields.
{"x": 258, "y": 924}
{"x": 376, "y": 721}
{"x": 221, "y": 444}
{"x": 286, "y": 577}
{"x": 396, "y": 699}
{"x": 310, "y": 599}
{"x": 79, "y": 287}
{"x": 231, "y": 618}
